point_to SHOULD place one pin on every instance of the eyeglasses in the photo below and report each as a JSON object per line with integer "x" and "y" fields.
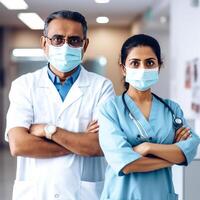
{"x": 73, "y": 41}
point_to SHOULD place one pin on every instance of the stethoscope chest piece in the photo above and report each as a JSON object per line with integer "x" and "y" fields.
{"x": 178, "y": 123}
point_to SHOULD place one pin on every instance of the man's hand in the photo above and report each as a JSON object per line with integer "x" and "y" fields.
{"x": 182, "y": 133}
{"x": 142, "y": 149}
{"x": 93, "y": 127}
{"x": 37, "y": 130}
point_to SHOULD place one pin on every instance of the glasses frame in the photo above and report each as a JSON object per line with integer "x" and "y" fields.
{"x": 66, "y": 40}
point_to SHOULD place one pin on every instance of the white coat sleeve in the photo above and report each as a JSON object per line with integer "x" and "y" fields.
{"x": 20, "y": 112}
{"x": 189, "y": 146}
{"x": 113, "y": 141}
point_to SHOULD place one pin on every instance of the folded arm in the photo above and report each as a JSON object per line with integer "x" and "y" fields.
{"x": 84, "y": 144}
{"x": 146, "y": 164}
{"x": 164, "y": 155}
{"x": 169, "y": 152}
{"x": 22, "y": 143}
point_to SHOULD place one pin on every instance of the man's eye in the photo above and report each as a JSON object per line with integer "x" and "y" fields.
{"x": 75, "y": 40}
{"x": 57, "y": 39}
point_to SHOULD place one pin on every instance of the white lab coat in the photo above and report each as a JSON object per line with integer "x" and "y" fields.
{"x": 34, "y": 99}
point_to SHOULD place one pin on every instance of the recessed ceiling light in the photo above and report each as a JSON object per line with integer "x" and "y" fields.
{"x": 102, "y": 20}
{"x": 14, "y": 4}
{"x": 102, "y": 61}
{"x": 27, "y": 53}
{"x": 32, "y": 20}
{"x": 102, "y": 1}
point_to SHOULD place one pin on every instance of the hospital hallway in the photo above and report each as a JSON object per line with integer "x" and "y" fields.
{"x": 7, "y": 174}
{"x": 26, "y": 45}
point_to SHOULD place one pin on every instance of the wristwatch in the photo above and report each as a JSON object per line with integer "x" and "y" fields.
{"x": 49, "y": 130}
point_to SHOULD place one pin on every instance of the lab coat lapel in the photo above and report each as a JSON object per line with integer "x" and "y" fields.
{"x": 48, "y": 87}
{"x": 77, "y": 89}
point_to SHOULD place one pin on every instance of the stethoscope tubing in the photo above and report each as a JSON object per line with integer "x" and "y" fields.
{"x": 177, "y": 122}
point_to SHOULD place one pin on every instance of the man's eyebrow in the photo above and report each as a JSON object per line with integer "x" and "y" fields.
{"x": 58, "y": 35}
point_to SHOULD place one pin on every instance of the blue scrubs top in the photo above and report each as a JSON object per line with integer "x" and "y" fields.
{"x": 118, "y": 134}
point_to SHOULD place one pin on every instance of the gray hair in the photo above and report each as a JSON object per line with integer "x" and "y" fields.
{"x": 66, "y": 14}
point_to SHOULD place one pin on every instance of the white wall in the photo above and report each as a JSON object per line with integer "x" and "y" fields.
{"x": 184, "y": 46}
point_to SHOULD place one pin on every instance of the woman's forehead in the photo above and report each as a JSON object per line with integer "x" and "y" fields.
{"x": 141, "y": 52}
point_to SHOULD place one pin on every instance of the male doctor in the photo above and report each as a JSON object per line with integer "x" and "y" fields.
{"x": 51, "y": 121}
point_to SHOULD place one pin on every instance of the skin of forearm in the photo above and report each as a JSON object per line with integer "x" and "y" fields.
{"x": 84, "y": 144}
{"x": 169, "y": 152}
{"x": 146, "y": 164}
{"x": 24, "y": 144}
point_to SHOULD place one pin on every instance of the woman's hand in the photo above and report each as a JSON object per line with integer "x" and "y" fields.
{"x": 182, "y": 133}
{"x": 143, "y": 148}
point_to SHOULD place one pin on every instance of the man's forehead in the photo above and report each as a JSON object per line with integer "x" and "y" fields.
{"x": 65, "y": 26}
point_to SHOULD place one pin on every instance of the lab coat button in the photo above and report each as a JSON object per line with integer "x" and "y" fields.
{"x": 57, "y": 196}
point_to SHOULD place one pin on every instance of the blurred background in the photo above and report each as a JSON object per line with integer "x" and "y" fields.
{"x": 175, "y": 24}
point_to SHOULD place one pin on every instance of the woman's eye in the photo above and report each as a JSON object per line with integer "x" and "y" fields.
{"x": 150, "y": 63}
{"x": 134, "y": 64}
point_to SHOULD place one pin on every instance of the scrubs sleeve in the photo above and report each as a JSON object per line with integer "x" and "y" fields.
{"x": 117, "y": 150}
{"x": 20, "y": 112}
{"x": 189, "y": 146}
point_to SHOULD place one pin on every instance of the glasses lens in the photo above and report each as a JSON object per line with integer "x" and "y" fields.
{"x": 75, "y": 41}
{"x": 57, "y": 40}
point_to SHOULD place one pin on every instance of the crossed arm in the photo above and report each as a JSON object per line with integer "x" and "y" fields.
{"x": 157, "y": 156}
{"x": 32, "y": 143}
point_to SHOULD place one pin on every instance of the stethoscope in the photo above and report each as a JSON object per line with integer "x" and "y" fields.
{"x": 177, "y": 122}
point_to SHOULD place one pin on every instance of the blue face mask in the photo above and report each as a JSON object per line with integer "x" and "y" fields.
{"x": 141, "y": 79}
{"x": 64, "y": 58}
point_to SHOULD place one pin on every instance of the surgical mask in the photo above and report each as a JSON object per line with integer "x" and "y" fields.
{"x": 64, "y": 58}
{"x": 141, "y": 79}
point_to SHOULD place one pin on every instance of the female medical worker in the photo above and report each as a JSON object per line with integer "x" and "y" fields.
{"x": 137, "y": 130}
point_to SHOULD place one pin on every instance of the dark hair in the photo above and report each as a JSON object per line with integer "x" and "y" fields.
{"x": 66, "y": 14}
{"x": 139, "y": 40}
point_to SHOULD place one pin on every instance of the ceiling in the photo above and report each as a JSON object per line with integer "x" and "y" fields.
{"x": 120, "y": 12}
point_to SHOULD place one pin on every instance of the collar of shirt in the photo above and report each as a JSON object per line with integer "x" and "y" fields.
{"x": 55, "y": 79}
{"x": 64, "y": 88}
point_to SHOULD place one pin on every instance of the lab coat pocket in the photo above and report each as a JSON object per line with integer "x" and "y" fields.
{"x": 172, "y": 196}
{"x": 91, "y": 190}
{"x": 24, "y": 190}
